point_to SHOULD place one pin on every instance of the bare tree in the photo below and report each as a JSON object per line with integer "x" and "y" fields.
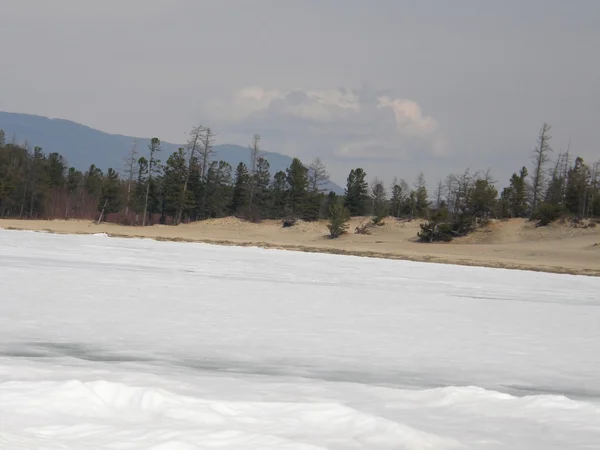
{"x": 439, "y": 193}
{"x": 593, "y": 187}
{"x": 255, "y": 153}
{"x": 318, "y": 177}
{"x": 193, "y": 144}
{"x": 450, "y": 183}
{"x": 154, "y": 148}
{"x": 130, "y": 171}
{"x": 206, "y": 152}
{"x": 540, "y": 158}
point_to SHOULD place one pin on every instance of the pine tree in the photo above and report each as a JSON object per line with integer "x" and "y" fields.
{"x": 339, "y": 216}
{"x": 241, "y": 190}
{"x": 380, "y": 204}
{"x": 38, "y": 181}
{"x": 218, "y": 189}
{"x": 297, "y": 180}
{"x": 139, "y": 196}
{"x": 279, "y": 195}
{"x": 173, "y": 181}
{"x": 2, "y": 138}
{"x": 153, "y": 163}
{"x": 420, "y": 198}
{"x": 356, "y": 193}
{"x": 577, "y": 188}
{"x": 261, "y": 182}
{"x": 110, "y": 195}
{"x": 398, "y": 201}
{"x": 74, "y": 183}
{"x": 482, "y": 200}
{"x": 514, "y": 197}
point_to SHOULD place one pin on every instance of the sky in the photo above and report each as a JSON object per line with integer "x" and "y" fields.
{"x": 394, "y": 86}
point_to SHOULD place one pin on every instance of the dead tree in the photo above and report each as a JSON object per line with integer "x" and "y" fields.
{"x": 206, "y": 152}
{"x": 540, "y": 158}
{"x": 318, "y": 177}
{"x": 194, "y": 143}
{"x": 130, "y": 164}
{"x": 154, "y": 148}
{"x": 255, "y": 153}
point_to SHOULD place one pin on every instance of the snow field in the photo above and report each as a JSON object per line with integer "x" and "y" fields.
{"x": 135, "y": 344}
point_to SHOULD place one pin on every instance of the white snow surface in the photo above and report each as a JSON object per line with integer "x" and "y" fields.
{"x": 134, "y": 344}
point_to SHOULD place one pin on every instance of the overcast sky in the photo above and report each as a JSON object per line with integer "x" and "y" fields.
{"x": 394, "y": 86}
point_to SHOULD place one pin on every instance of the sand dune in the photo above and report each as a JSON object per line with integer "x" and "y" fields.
{"x": 512, "y": 244}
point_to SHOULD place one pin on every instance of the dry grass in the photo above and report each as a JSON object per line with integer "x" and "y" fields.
{"x": 511, "y": 244}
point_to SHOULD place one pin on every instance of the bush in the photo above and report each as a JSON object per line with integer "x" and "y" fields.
{"x": 435, "y": 232}
{"x": 364, "y": 227}
{"x": 289, "y": 222}
{"x": 378, "y": 220}
{"x": 339, "y": 216}
{"x": 547, "y": 213}
{"x": 444, "y": 231}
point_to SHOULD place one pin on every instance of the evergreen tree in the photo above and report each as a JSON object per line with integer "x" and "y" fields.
{"x": 261, "y": 182}
{"x": 399, "y": 198}
{"x": 139, "y": 193}
{"x": 241, "y": 190}
{"x": 279, "y": 195}
{"x": 218, "y": 189}
{"x": 577, "y": 188}
{"x": 339, "y": 216}
{"x": 297, "y": 180}
{"x": 38, "y": 182}
{"x": 419, "y": 198}
{"x": 173, "y": 183}
{"x": 110, "y": 195}
{"x": 356, "y": 193}
{"x": 514, "y": 198}
{"x": 153, "y": 169}
{"x": 482, "y": 201}
{"x": 74, "y": 183}
{"x": 380, "y": 204}
{"x": 2, "y": 138}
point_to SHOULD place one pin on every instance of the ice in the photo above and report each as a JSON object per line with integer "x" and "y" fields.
{"x": 112, "y": 343}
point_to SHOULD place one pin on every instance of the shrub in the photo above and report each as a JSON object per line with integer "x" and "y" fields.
{"x": 378, "y": 220}
{"x": 339, "y": 216}
{"x": 547, "y": 213}
{"x": 436, "y": 232}
{"x": 289, "y": 222}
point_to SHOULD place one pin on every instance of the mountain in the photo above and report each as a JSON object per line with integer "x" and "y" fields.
{"x": 82, "y": 145}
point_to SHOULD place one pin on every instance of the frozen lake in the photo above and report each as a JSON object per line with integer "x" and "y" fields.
{"x": 135, "y": 344}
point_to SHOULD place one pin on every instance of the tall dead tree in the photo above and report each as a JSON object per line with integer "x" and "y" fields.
{"x": 130, "y": 166}
{"x": 255, "y": 153}
{"x": 206, "y": 152}
{"x": 318, "y": 177}
{"x": 594, "y": 188}
{"x": 439, "y": 193}
{"x": 540, "y": 158}
{"x": 194, "y": 143}
{"x": 154, "y": 147}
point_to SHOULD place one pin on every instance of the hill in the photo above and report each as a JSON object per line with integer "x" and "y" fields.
{"x": 82, "y": 145}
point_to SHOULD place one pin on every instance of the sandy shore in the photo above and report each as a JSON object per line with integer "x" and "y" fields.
{"x": 514, "y": 244}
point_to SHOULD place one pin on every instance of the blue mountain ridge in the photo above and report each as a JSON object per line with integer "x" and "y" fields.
{"x": 82, "y": 145}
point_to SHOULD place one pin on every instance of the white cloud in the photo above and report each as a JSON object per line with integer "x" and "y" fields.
{"x": 334, "y": 124}
{"x": 409, "y": 118}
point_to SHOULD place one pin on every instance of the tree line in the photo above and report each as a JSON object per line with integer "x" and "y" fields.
{"x": 192, "y": 184}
